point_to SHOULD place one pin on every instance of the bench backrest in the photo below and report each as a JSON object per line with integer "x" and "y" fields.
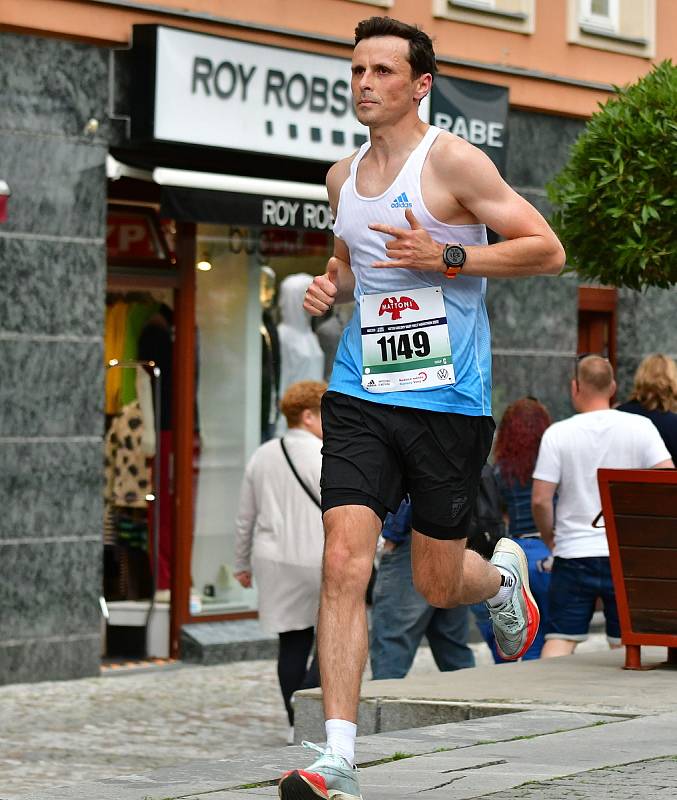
{"x": 640, "y": 513}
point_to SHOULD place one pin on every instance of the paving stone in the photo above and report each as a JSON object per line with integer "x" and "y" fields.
{"x": 475, "y": 771}
{"x": 656, "y": 778}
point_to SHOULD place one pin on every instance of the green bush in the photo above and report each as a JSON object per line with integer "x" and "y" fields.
{"x": 615, "y": 201}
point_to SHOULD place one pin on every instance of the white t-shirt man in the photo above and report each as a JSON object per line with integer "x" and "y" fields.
{"x": 570, "y": 454}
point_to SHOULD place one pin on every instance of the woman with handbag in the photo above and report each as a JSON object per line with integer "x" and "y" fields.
{"x": 279, "y": 537}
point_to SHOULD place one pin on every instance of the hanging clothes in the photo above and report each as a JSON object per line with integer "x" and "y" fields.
{"x": 114, "y": 338}
{"x": 127, "y": 476}
{"x": 138, "y": 315}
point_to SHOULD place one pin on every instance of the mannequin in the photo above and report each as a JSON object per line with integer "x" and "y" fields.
{"x": 270, "y": 356}
{"x": 329, "y": 330}
{"x": 301, "y": 357}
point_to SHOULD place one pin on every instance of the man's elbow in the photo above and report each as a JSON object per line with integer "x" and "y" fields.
{"x": 540, "y": 506}
{"x": 554, "y": 257}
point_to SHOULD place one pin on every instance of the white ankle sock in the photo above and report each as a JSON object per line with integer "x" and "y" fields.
{"x": 508, "y": 583}
{"x": 341, "y": 736}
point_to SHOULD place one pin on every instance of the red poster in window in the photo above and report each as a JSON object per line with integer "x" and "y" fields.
{"x": 132, "y": 235}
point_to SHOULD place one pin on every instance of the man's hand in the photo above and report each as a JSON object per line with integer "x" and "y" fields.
{"x": 411, "y": 248}
{"x": 244, "y": 579}
{"x": 321, "y": 294}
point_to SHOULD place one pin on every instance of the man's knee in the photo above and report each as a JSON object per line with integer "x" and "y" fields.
{"x": 346, "y": 569}
{"x": 350, "y": 544}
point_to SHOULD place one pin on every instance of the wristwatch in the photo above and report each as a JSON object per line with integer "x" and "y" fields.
{"x": 453, "y": 257}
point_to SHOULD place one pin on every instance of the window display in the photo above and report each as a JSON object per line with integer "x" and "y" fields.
{"x": 247, "y": 344}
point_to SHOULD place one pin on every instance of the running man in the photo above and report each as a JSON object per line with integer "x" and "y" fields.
{"x": 409, "y": 407}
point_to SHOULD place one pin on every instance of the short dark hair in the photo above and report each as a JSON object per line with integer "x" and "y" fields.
{"x": 421, "y": 53}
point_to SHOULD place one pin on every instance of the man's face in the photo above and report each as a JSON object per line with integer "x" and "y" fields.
{"x": 382, "y": 84}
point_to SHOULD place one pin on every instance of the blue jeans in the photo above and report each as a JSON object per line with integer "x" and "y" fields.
{"x": 576, "y": 585}
{"x": 539, "y": 583}
{"x": 401, "y": 617}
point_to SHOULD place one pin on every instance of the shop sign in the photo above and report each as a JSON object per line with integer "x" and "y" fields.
{"x": 205, "y": 90}
{"x": 204, "y": 205}
{"x": 477, "y": 112}
{"x": 130, "y": 235}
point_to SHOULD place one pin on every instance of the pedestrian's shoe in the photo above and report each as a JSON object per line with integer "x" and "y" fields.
{"x": 331, "y": 777}
{"x": 515, "y": 621}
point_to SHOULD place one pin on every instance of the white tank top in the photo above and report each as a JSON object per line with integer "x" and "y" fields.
{"x": 463, "y": 296}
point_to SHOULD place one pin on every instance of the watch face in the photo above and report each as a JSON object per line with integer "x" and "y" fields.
{"x": 454, "y": 256}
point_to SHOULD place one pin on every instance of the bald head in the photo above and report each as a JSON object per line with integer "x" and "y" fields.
{"x": 595, "y": 375}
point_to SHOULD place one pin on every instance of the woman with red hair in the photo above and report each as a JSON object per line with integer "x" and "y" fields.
{"x": 515, "y": 452}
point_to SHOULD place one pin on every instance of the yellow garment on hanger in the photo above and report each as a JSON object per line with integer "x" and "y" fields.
{"x": 114, "y": 342}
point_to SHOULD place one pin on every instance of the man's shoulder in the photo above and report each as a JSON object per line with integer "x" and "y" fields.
{"x": 339, "y": 171}
{"x": 448, "y": 151}
{"x": 638, "y": 422}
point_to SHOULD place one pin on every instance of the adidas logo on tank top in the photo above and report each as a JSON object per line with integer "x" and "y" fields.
{"x": 402, "y": 201}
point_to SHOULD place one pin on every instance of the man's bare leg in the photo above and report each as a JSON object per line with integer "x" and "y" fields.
{"x": 351, "y": 533}
{"x": 558, "y": 647}
{"x": 448, "y": 575}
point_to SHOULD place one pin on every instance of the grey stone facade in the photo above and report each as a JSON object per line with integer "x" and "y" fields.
{"x": 647, "y": 323}
{"x": 534, "y": 320}
{"x": 52, "y": 279}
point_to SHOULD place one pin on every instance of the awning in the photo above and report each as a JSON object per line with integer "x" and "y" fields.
{"x": 238, "y": 200}
{"x": 211, "y": 197}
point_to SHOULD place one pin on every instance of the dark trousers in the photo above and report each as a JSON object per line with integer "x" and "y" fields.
{"x": 292, "y": 665}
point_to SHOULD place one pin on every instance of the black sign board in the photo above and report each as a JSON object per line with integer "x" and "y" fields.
{"x": 474, "y": 111}
{"x": 204, "y": 205}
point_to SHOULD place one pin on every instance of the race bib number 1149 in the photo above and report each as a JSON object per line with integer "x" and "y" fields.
{"x": 405, "y": 341}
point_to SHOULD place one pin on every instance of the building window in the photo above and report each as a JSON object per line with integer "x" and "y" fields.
{"x": 600, "y": 15}
{"x": 380, "y": 3}
{"x": 623, "y": 26}
{"x": 478, "y": 5}
{"x": 511, "y": 15}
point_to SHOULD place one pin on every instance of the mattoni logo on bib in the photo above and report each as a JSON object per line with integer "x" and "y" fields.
{"x": 395, "y": 306}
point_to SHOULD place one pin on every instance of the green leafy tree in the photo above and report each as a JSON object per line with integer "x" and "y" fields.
{"x": 615, "y": 201}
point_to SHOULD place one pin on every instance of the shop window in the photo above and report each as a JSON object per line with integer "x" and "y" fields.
{"x": 243, "y": 362}
{"x": 624, "y": 26}
{"x": 512, "y": 15}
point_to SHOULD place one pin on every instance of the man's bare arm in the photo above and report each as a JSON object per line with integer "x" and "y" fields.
{"x": 664, "y": 465}
{"x": 531, "y": 247}
{"x": 337, "y": 285}
{"x": 542, "y": 495}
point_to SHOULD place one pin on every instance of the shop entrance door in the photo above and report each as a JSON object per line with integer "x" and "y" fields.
{"x": 142, "y": 301}
{"x": 597, "y": 321}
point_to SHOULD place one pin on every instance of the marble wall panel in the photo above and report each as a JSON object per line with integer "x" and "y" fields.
{"x": 545, "y": 377}
{"x": 40, "y": 660}
{"x": 51, "y": 287}
{"x": 647, "y": 323}
{"x": 53, "y": 86}
{"x": 539, "y": 146}
{"x": 533, "y": 313}
{"x": 58, "y": 186}
{"x": 54, "y": 589}
{"x": 51, "y": 388}
{"x": 51, "y": 489}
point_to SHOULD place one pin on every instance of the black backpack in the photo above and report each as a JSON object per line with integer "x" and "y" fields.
{"x": 486, "y": 522}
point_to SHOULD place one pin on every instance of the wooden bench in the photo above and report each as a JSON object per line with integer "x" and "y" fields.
{"x": 640, "y": 512}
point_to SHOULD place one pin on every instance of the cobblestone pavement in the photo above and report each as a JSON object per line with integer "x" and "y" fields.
{"x": 67, "y": 732}
{"x": 652, "y": 780}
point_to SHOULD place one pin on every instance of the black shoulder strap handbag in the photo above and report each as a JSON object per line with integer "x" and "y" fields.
{"x": 298, "y": 477}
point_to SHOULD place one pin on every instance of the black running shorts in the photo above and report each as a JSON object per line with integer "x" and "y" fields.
{"x": 374, "y": 454}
